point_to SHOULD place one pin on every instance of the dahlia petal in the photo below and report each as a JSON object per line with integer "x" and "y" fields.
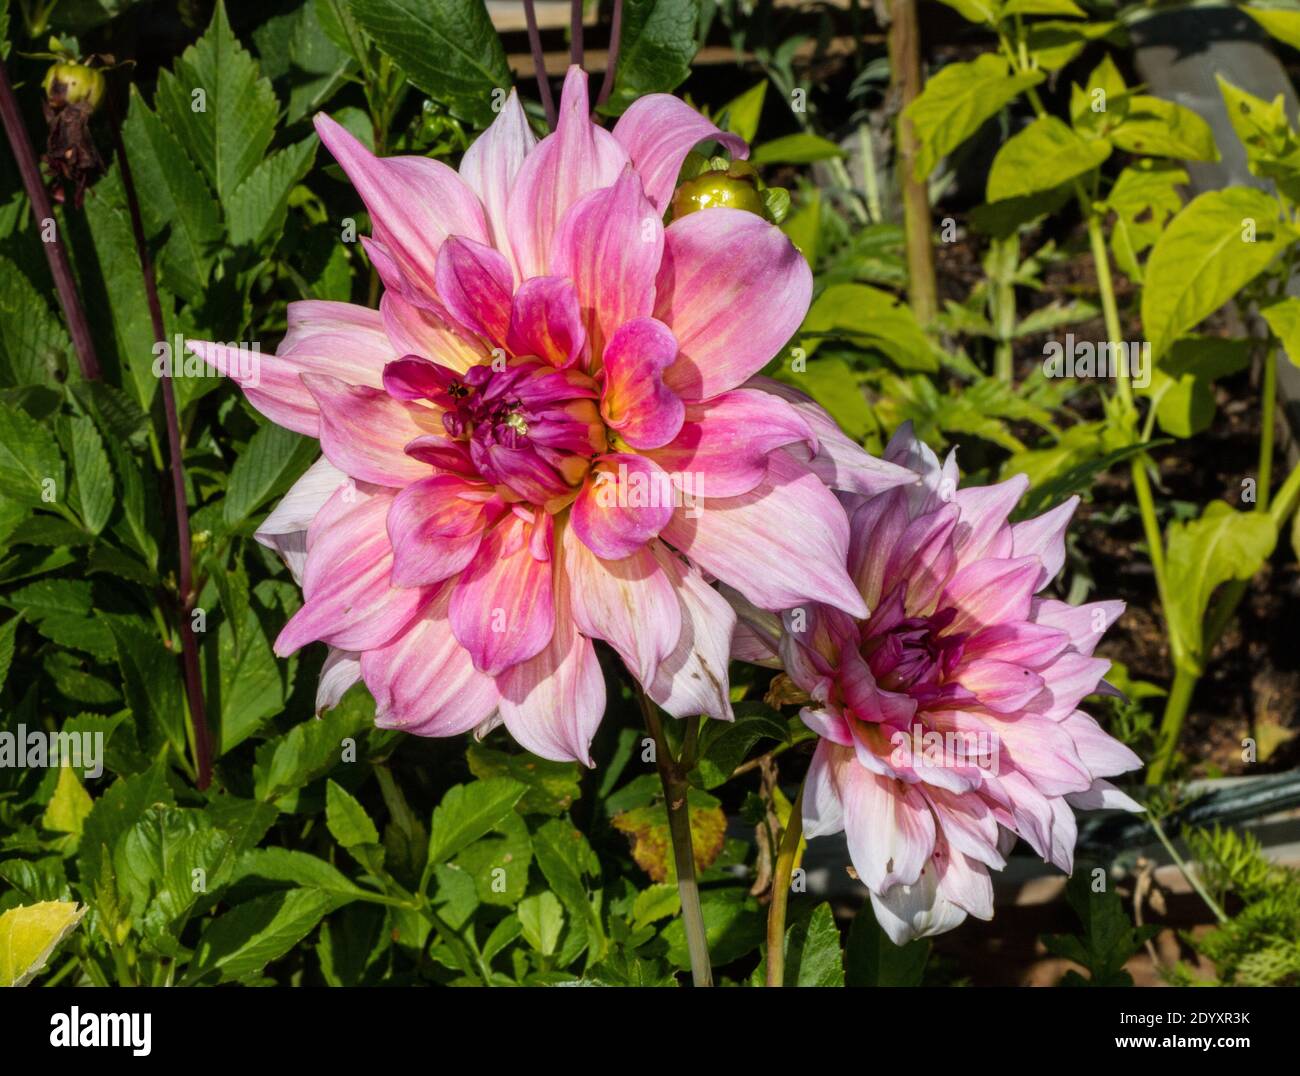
{"x": 349, "y": 602}
{"x": 733, "y": 289}
{"x": 991, "y": 591}
{"x": 552, "y": 704}
{"x": 1000, "y": 685}
{"x": 889, "y": 827}
{"x": 924, "y": 558}
{"x": 501, "y": 609}
{"x": 364, "y": 431}
{"x": 693, "y": 678}
{"x": 492, "y": 162}
{"x": 342, "y": 669}
{"x": 831, "y": 725}
{"x": 285, "y": 529}
{"x": 1068, "y": 681}
{"x": 610, "y": 243}
{"x": 636, "y": 402}
{"x": 965, "y": 882}
{"x": 1037, "y": 746}
{"x": 629, "y": 603}
{"x": 424, "y": 681}
{"x": 781, "y": 544}
{"x": 340, "y": 339}
{"x": 983, "y": 531}
{"x": 967, "y": 824}
{"x": 1044, "y": 537}
{"x": 546, "y": 321}
{"x": 835, "y": 458}
{"x": 876, "y": 526}
{"x": 475, "y": 282}
{"x": 658, "y": 131}
{"x": 1101, "y": 753}
{"x": 1103, "y": 796}
{"x": 1084, "y": 624}
{"x": 434, "y": 531}
{"x": 625, "y": 501}
{"x": 757, "y": 638}
{"x": 724, "y": 442}
{"x": 1020, "y": 642}
{"x": 577, "y": 158}
{"x": 908, "y": 912}
{"x": 426, "y": 329}
{"x": 415, "y": 203}
{"x": 823, "y": 814}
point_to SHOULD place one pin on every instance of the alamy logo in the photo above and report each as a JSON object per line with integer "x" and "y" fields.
{"x": 38, "y": 749}
{"x": 75, "y": 1028}
{"x": 1086, "y": 359}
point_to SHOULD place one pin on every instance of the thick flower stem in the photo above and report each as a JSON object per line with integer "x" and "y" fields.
{"x": 790, "y": 838}
{"x": 672, "y": 775}
{"x": 64, "y": 282}
{"x": 575, "y": 32}
{"x": 189, "y": 644}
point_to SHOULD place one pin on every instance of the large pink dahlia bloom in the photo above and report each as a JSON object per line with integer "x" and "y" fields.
{"x": 549, "y": 433}
{"x": 949, "y": 718}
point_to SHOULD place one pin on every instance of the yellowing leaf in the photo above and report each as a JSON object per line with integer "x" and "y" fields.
{"x": 28, "y": 935}
{"x": 69, "y": 805}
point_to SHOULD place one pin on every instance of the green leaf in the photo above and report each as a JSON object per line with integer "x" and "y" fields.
{"x": 977, "y": 11}
{"x": 151, "y": 680}
{"x": 957, "y": 101}
{"x": 1222, "y": 544}
{"x": 1143, "y": 199}
{"x": 552, "y": 787}
{"x": 68, "y": 807}
{"x": 1281, "y": 23}
{"x": 93, "y": 493}
{"x": 1159, "y": 128}
{"x": 346, "y": 818}
{"x": 30, "y": 934}
{"x": 1182, "y": 385}
{"x": 1044, "y": 155}
{"x": 31, "y": 466}
{"x": 274, "y": 459}
{"x": 467, "y": 812}
{"x": 1220, "y": 242}
{"x": 113, "y": 815}
{"x": 1054, "y": 43}
{"x": 658, "y": 45}
{"x": 448, "y": 48}
{"x": 175, "y": 197}
{"x": 8, "y": 632}
{"x": 229, "y": 134}
{"x": 795, "y": 149}
{"x": 1108, "y": 938}
{"x": 741, "y": 114}
{"x": 870, "y": 318}
{"x": 812, "y": 951}
{"x": 307, "y": 751}
{"x": 256, "y": 209}
{"x": 285, "y": 866}
{"x": 499, "y": 864}
{"x": 1044, "y": 7}
{"x": 727, "y": 743}
{"x": 1283, "y": 318}
{"x": 873, "y": 960}
{"x": 655, "y": 902}
{"x": 244, "y": 940}
{"x": 733, "y": 927}
{"x": 34, "y": 346}
{"x": 541, "y": 919}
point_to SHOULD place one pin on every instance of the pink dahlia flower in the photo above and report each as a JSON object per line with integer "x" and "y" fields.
{"x": 949, "y": 718}
{"x": 548, "y": 433}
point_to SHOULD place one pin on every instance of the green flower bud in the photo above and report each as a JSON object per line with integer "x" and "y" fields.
{"x": 75, "y": 84}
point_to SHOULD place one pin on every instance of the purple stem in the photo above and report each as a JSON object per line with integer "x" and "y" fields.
{"x": 539, "y": 63}
{"x": 615, "y": 38}
{"x": 73, "y": 312}
{"x": 575, "y": 32}
{"x": 189, "y": 644}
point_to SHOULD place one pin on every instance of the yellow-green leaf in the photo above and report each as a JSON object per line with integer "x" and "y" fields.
{"x": 1044, "y": 155}
{"x": 29, "y": 934}
{"x": 68, "y": 807}
{"x": 1155, "y": 127}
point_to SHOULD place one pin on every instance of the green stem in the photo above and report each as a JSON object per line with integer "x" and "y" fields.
{"x": 672, "y": 775}
{"x": 781, "y": 893}
{"x": 1268, "y": 405}
{"x": 1171, "y": 724}
{"x": 870, "y": 179}
{"x": 1192, "y": 880}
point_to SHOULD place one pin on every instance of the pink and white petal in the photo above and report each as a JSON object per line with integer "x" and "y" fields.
{"x": 757, "y": 638}
{"x": 990, "y": 592}
{"x": 983, "y": 531}
{"x": 415, "y": 203}
{"x": 823, "y": 813}
{"x": 492, "y": 162}
{"x": 967, "y": 824}
{"x": 836, "y": 459}
{"x": 342, "y": 669}
{"x": 782, "y": 544}
{"x": 693, "y": 678}
{"x": 1084, "y": 624}
{"x": 1101, "y": 753}
{"x": 876, "y": 526}
{"x": 1069, "y": 680}
{"x": 733, "y": 289}
{"x": 625, "y": 501}
{"x": 1103, "y": 796}
{"x": 577, "y": 158}
{"x": 999, "y": 685}
{"x": 1038, "y": 747}
{"x": 364, "y": 431}
{"x": 502, "y": 609}
{"x": 636, "y": 402}
{"x": 629, "y": 603}
{"x": 908, "y": 912}
{"x": 724, "y": 442}
{"x": 965, "y": 883}
{"x": 285, "y": 529}
{"x": 546, "y": 321}
{"x": 475, "y": 282}
{"x": 610, "y": 243}
{"x": 435, "y": 529}
{"x": 424, "y": 681}
{"x": 1021, "y": 642}
{"x": 1044, "y": 537}
{"x": 658, "y": 131}
{"x": 552, "y": 704}
{"x": 888, "y": 824}
{"x": 349, "y": 602}
{"x": 426, "y": 329}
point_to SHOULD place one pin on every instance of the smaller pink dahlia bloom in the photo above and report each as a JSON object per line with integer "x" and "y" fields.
{"x": 949, "y": 718}
{"x": 551, "y": 433}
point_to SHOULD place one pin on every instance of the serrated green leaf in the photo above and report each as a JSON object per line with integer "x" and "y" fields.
{"x": 30, "y": 934}
{"x": 467, "y": 812}
{"x": 256, "y": 209}
{"x": 31, "y": 466}
{"x": 346, "y": 818}
{"x": 94, "y": 491}
{"x": 274, "y": 459}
